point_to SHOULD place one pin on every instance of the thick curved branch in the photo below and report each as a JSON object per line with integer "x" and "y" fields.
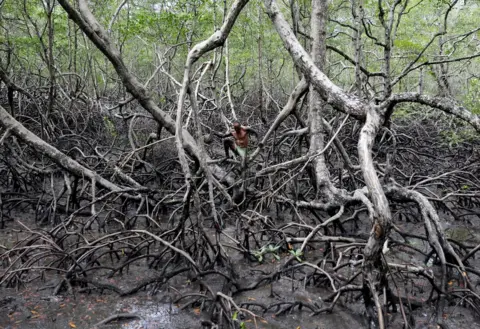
{"x": 446, "y": 105}
{"x": 331, "y": 93}
{"x": 64, "y": 161}
{"x": 382, "y": 214}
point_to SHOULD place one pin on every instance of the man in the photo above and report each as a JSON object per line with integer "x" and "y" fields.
{"x": 240, "y": 143}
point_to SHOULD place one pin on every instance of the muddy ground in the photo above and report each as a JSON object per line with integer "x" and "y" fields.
{"x": 33, "y": 304}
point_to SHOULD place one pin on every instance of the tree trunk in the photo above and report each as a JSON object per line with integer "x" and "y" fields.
{"x": 382, "y": 216}
{"x": 357, "y": 11}
{"x": 317, "y": 105}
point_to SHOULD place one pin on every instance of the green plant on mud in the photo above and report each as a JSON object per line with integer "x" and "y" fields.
{"x": 235, "y": 318}
{"x": 269, "y": 249}
{"x": 297, "y": 253}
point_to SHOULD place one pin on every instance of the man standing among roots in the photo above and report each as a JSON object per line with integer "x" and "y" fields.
{"x": 238, "y": 146}
{"x": 239, "y": 143}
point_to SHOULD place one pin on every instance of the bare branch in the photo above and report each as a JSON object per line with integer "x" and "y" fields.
{"x": 446, "y": 105}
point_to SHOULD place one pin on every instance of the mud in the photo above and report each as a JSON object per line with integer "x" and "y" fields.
{"x": 33, "y": 306}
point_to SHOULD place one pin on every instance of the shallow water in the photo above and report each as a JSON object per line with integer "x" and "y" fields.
{"x": 155, "y": 315}
{"x": 32, "y": 310}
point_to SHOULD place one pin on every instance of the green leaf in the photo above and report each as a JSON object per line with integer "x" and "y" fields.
{"x": 297, "y": 254}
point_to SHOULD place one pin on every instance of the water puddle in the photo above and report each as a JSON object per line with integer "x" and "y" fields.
{"x": 155, "y": 315}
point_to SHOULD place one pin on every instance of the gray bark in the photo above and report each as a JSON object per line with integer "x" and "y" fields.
{"x": 357, "y": 11}
{"x": 382, "y": 216}
{"x": 331, "y": 93}
{"x": 447, "y": 105}
{"x": 317, "y": 105}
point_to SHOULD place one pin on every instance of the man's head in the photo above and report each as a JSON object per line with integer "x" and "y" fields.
{"x": 236, "y": 126}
